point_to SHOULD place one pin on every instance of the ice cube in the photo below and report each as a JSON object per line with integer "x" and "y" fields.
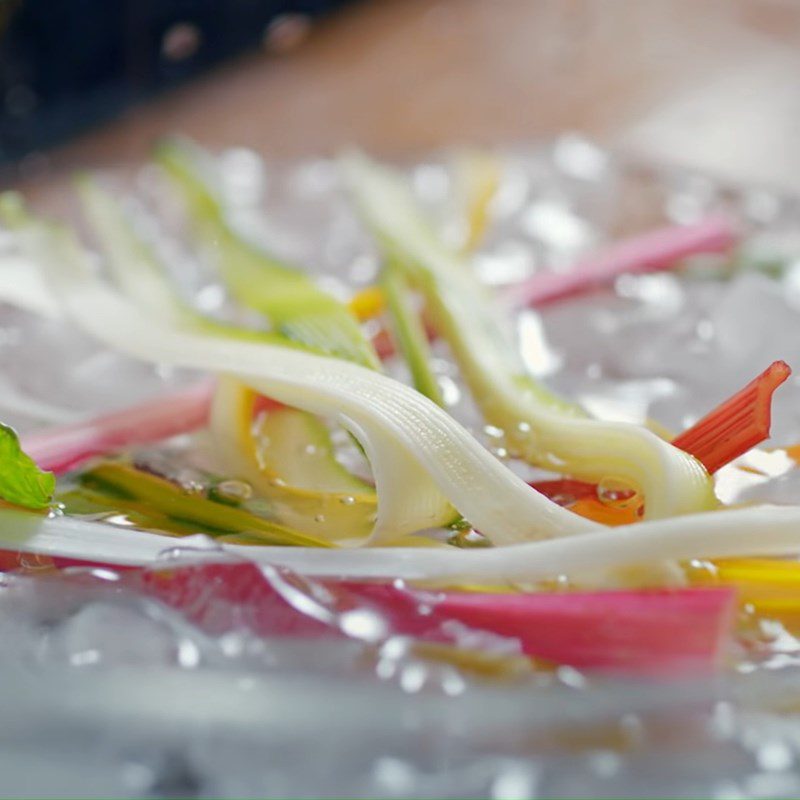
{"x": 108, "y": 634}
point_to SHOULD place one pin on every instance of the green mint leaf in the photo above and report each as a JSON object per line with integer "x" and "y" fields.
{"x": 21, "y": 481}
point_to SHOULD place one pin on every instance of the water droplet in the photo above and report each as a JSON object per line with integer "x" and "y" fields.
{"x": 700, "y": 571}
{"x": 523, "y": 427}
{"x": 347, "y": 500}
{"x": 319, "y": 518}
{"x": 191, "y": 481}
{"x": 234, "y": 490}
{"x": 310, "y": 449}
{"x": 617, "y": 492}
{"x": 117, "y": 519}
{"x": 493, "y": 431}
{"x": 277, "y": 482}
{"x": 468, "y": 537}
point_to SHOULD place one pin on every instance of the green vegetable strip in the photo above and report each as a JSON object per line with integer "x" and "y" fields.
{"x": 133, "y": 264}
{"x": 295, "y": 306}
{"x": 142, "y": 277}
{"x": 138, "y": 272}
{"x": 167, "y": 506}
{"x": 409, "y": 332}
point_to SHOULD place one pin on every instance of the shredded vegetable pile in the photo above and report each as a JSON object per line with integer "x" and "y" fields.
{"x": 329, "y": 445}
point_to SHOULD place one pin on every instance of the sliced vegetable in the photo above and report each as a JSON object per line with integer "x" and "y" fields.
{"x": 422, "y": 460}
{"x": 736, "y": 426}
{"x": 767, "y": 587}
{"x": 565, "y": 491}
{"x": 299, "y": 473}
{"x": 118, "y": 486}
{"x": 278, "y": 435}
{"x": 134, "y": 266}
{"x": 659, "y": 249}
{"x": 288, "y": 458}
{"x": 645, "y": 632}
{"x": 409, "y": 332}
{"x": 587, "y": 559}
{"x": 539, "y": 426}
{"x": 64, "y": 447}
{"x": 656, "y": 250}
{"x": 477, "y": 178}
{"x": 139, "y": 273}
{"x": 368, "y": 303}
{"x": 295, "y": 306}
{"x": 732, "y": 429}
{"x": 21, "y": 481}
{"x": 653, "y": 631}
{"x": 585, "y": 499}
{"x": 759, "y": 578}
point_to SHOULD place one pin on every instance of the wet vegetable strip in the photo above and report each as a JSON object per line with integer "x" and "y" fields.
{"x": 642, "y": 632}
{"x": 740, "y": 423}
{"x": 656, "y": 250}
{"x": 63, "y": 447}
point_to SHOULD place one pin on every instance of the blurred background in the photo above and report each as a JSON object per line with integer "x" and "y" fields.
{"x": 706, "y": 83}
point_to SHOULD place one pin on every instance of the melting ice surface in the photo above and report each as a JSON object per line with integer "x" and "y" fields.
{"x": 163, "y": 683}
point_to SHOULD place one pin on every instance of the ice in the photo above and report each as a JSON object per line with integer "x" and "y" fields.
{"x": 73, "y": 375}
{"x": 753, "y": 324}
{"x": 674, "y": 350}
{"x": 104, "y": 683}
{"x": 91, "y": 637}
{"x": 183, "y": 684}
